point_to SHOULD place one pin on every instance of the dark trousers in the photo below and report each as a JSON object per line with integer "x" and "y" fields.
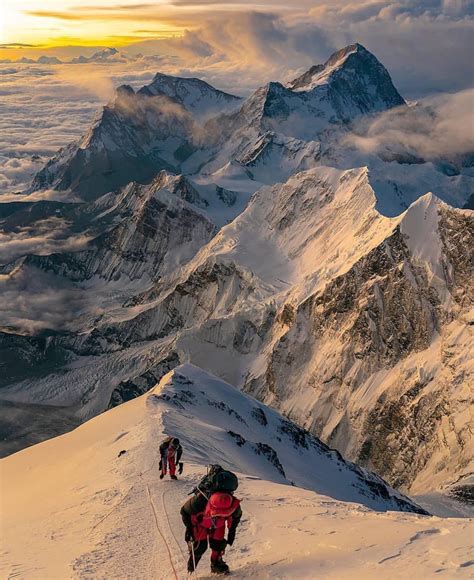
{"x": 200, "y": 546}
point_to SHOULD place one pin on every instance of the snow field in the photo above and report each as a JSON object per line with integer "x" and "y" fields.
{"x": 76, "y": 507}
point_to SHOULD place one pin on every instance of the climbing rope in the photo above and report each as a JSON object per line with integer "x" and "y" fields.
{"x": 170, "y": 556}
{"x": 170, "y": 526}
{"x": 155, "y": 515}
{"x": 124, "y": 497}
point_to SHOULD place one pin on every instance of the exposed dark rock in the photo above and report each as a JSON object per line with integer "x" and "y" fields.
{"x": 464, "y": 493}
{"x": 259, "y": 415}
{"x": 127, "y": 390}
{"x": 297, "y": 435}
{"x": 239, "y": 440}
{"x": 272, "y": 456}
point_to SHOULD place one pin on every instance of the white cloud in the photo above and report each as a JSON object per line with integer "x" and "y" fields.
{"x": 440, "y": 128}
{"x": 40, "y": 301}
{"x": 44, "y": 108}
{"x": 43, "y": 238}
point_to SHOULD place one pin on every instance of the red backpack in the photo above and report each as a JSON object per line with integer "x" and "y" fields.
{"x": 219, "y": 510}
{"x": 221, "y": 504}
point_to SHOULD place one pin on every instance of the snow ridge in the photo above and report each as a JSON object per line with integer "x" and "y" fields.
{"x": 106, "y": 513}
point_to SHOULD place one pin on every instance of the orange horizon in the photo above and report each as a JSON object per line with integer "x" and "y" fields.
{"x": 38, "y": 25}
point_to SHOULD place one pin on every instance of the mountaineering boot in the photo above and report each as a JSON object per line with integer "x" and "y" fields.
{"x": 173, "y": 477}
{"x": 219, "y": 567}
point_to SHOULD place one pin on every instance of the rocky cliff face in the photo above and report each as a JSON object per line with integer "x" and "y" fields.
{"x": 135, "y": 136}
{"x": 155, "y": 232}
{"x": 374, "y": 355}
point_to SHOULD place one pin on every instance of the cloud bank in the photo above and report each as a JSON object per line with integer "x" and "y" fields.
{"x": 441, "y": 128}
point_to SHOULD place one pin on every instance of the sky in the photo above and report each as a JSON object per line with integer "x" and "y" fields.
{"x": 426, "y": 45}
{"x": 85, "y": 22}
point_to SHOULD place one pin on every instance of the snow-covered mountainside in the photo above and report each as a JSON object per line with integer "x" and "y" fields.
{"x": 93, "y": 505}
{"x": 135, "y": 136}
{"x": 355, "y": 325}
{"x": 195, "y": 95}
{"x": 383, "y": 353}
{"x": 211, "y": 416}
{"x": 186, "y": 126}
{"x": 351, "y": 64}
{"x": 350, "y": 84}
{"x": 153, "y": 230}
{"x": 255, "y": 240}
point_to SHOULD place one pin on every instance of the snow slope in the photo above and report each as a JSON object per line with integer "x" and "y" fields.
{"x": 89, "y": 504}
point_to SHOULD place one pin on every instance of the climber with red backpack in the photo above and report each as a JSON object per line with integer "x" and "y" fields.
{"x": 170, "y": 455}
{"x": 207, "y": 516}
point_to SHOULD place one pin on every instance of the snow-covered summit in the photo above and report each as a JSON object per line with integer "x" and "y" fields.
{"x": 195, "y": 95}
{"x": 101, "y": 56}
{"x": 356, "y": 69}
{"x": 105, "y": 53}
{"x": 420, "y": 225}
{"x": 321, "y": 105}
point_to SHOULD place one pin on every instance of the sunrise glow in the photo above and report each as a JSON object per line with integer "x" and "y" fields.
{"x": 30, "y": 24}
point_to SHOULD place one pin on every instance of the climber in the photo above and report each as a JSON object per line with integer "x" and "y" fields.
{"x": 206, "y": 517}
{"x": 170, "y": 452}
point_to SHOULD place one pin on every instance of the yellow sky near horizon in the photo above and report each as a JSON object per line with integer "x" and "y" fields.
{"x": 28, "y": 27}
{"x": 31, "y": 24}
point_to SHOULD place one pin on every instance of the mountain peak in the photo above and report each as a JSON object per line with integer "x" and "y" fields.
{"x": 106, "y": 52}
{"x": 347, "y": 67}
{"x": 175, "y": 86}
{"x": 420, "y": 226}
{"x": 340, "y": 55}
{"x": 321, "y": 72}
{"x": 350, "y": 84}
{"x": 124, "y": 90}
{"x": 195, "y": 95}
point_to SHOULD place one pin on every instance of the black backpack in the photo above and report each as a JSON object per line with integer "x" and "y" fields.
{"x": 217, "y": 479}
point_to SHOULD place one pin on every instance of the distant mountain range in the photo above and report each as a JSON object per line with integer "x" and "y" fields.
{"x": 104, "y": 55}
